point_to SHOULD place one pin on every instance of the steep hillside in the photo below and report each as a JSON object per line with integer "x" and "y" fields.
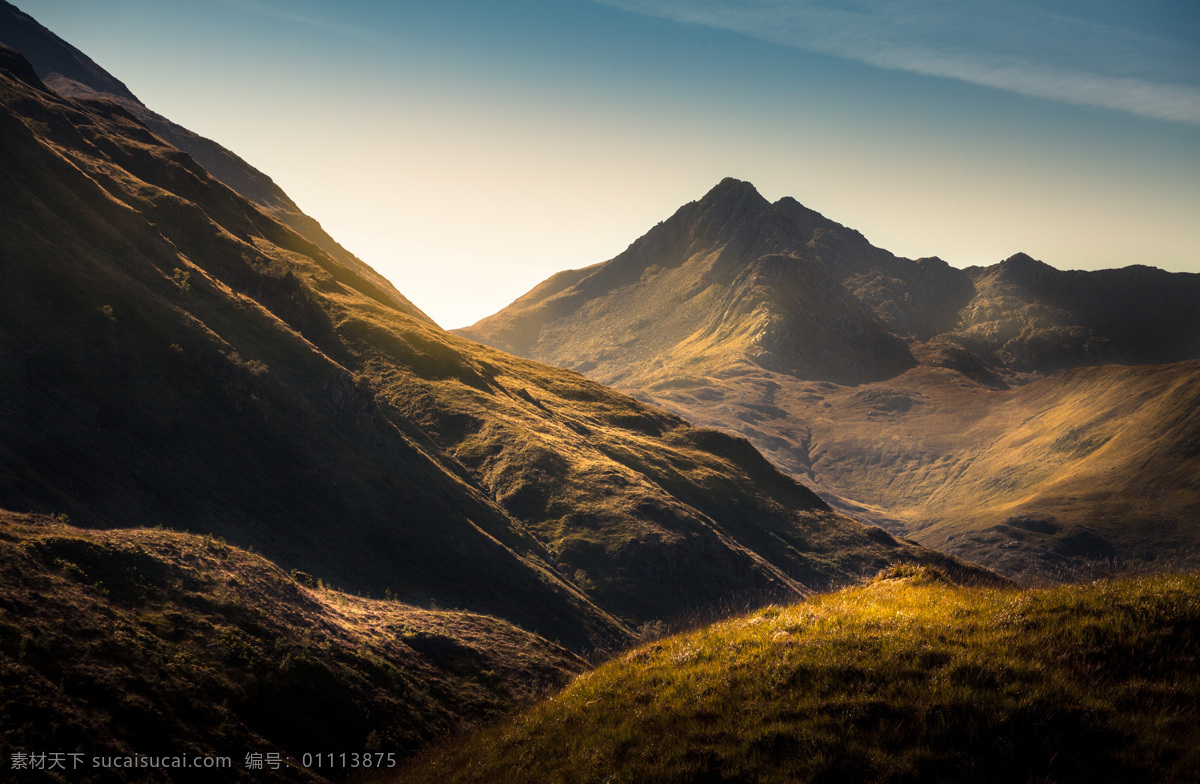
{"x": 894, "y": 387}
{"x": 145, "y": 379}
{"x": 73, "y": 74}
{"x": 173, "y": 355}
{"x": 906, "y": 678}
{"x": 133, "y": 642}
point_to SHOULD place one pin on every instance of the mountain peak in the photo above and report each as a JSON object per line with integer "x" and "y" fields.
{"x": 1024, "y": 260}
{"x": 733, "y": 184}
{"x": 730, "y": 190}
{"x": 724, "y": 209}
{"x": 1023, "y": 268}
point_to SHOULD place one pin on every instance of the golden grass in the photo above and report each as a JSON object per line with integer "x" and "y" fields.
{"x": 906, "y": 678}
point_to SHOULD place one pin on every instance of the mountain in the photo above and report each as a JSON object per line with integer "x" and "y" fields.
{"x": 882, "y": 382}
{"x": 168, "y": 358}
{"x": 1031, "y": 318}
{"x": 716, "y": 280}
{"x": 73, "y": 74}
{"x": 733, "y": 276}
{"x": 173, "y": 355}
{"x": 908, "y": 677}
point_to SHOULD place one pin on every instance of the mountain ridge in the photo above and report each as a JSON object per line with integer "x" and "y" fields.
{"x": 72, "y": 73}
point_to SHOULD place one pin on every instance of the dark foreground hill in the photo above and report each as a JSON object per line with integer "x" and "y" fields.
{"x": 122, "y": 643}
{"x": 906, "y": 678}
{"x": 935, "y": 401}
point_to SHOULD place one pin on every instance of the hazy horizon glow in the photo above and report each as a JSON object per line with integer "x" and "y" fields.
{"x": 468, "y": 150}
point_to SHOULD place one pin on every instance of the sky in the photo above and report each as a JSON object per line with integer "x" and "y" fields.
{"x": 468, "y": 149}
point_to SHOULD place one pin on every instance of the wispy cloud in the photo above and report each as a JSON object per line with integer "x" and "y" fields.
{"x": 1006, "y": 45}
{"x": 263, "y": 9}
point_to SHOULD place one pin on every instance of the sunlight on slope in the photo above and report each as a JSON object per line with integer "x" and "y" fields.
{"x": 906, "y": 678}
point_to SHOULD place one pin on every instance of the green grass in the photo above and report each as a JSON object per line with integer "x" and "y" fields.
{"x": 906, "y": 678}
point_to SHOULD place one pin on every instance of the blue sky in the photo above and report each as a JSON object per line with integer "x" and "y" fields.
{"x": 469, "y": 149}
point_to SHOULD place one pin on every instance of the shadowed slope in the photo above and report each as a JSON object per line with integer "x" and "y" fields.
{"x": 165, "y": 361}
{"x": 149, "y": 642}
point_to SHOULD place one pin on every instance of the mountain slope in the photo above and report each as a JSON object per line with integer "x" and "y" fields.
{"x": 139, "y": 385}
{"x": 906, "y": 678}
{"x": 73, "y": 74}
{"x": 1087, "y": 464}
{"x": 881, "y": 381}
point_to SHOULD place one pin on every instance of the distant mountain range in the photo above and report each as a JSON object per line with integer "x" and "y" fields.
{"x": 989, "y": 411}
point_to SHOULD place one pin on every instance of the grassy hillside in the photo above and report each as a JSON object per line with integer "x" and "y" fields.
{"x": 139, "y": 641}
{"x": 906, "y": 678}
{"x": 1087, "y": 464}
